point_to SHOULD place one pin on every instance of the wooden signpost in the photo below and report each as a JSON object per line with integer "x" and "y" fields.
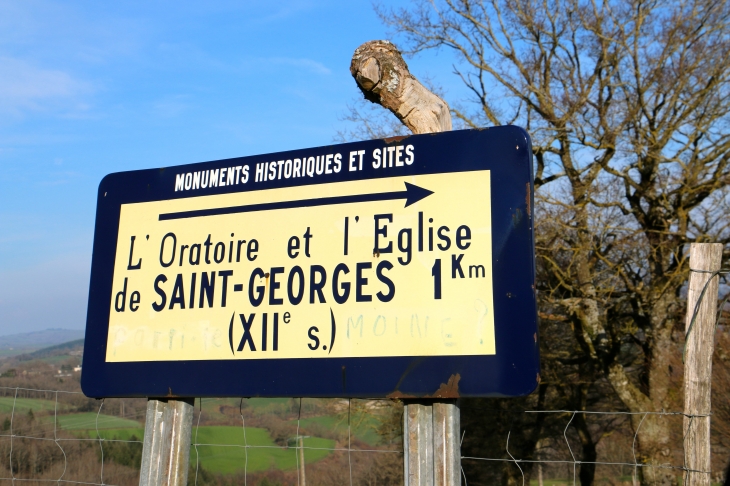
{"x": 389, "y": 268}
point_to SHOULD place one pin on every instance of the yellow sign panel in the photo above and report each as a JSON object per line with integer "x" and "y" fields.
{"x": 348, "y": 269}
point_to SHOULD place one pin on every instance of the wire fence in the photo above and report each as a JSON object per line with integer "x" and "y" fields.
{"x": 574, "y": 463}
{"x": 298, "y": 449}
{"x": 227, "y": 448}
{"x": 60, "y": 443}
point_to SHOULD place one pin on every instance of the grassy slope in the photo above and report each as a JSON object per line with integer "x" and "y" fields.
{"x": 264, "y": 405}
{"x": 6, "y": 352}
{"x": 363, "y": 430}
{"x": 55, "y": 360}
{"x": 227, "y": 459}
{"x": 22, "y": 405}
{"x": 228, "y": 455}
{"x": 88, "y": 420}
{"x": 223, "y": 457}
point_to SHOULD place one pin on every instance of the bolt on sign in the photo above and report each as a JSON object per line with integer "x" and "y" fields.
{"x": 389, "y": 268}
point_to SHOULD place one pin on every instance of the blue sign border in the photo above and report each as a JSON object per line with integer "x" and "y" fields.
{"x": 513, "y": 371}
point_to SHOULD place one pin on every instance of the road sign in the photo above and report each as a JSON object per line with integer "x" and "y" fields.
{"x": 400, "y": 267}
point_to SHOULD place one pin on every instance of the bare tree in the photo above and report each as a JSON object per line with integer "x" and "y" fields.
{"x": 628, "y": 104}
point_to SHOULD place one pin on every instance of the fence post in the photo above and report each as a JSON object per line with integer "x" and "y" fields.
{"x": 704, "y": 259}
{"x": 166, "y": 449}
{"x": 302, "y": 470}
{"x": 431, "y": 443}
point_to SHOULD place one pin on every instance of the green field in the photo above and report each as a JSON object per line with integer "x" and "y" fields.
{"x": 119, "y": 434}
{"x": 5, "y": 352}
{"x": 22, "y": 405}
{"x": 363, "y": 430}
{"x": 226, "y": 459}
{"x": 269, "y": 405}
{"x": 260, "y": 405}
{"x": 228, "y": 455}
{"x": 58, "y": 359}
{"x": 88, "y": 420}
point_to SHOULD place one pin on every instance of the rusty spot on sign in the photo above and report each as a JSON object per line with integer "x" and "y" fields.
{"x": 538, "y": 378}
{"x": 450, "y": 389}
{"x": 517, "y": 217}
{"x": 528, "y": 201}
{"x": 399, "y": 395}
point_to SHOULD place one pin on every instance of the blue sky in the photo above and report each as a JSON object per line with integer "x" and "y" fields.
{"x": 88, "y": 88}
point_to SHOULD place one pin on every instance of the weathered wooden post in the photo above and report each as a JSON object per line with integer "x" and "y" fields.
{"x": 166, "y": 449}
{"x": 302, "y": 470}
{"x": 704, "y": 260}
{"x": 432, "y": 452}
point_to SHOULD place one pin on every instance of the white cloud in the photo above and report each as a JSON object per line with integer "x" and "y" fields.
{"x": 287, "y": 10}
{"x": 24, "y": 86}
{"x": 304, "y": 63}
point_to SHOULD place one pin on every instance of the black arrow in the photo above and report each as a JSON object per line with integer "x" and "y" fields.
{"x": 412, "y": 194}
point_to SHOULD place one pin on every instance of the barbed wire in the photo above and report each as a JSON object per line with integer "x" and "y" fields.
{"x": 695, "y": 311}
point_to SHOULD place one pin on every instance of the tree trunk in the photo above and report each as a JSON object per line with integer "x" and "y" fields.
{"x": 652, "y": 431}
{"x": 383, "y": 77}
{"x": 588, "y": 451}
{"x": 653, "y": 435}
{"x": 653, "y": 441}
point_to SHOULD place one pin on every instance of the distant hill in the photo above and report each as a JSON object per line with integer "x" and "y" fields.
{"x": 57, "y": 350}
{"x": 29, "y": 342}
